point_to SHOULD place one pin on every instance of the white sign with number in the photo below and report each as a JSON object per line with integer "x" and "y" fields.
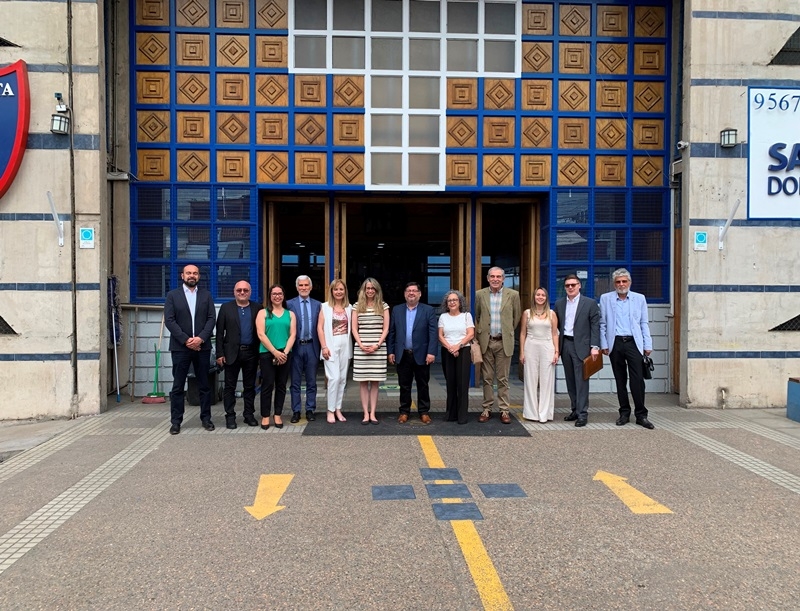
{"x": 773, "y": 190}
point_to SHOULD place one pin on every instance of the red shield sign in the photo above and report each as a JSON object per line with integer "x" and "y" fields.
{"x": 15, "y": 114}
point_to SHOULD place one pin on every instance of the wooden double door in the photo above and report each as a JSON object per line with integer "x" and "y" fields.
{"x": 442, "y": 243}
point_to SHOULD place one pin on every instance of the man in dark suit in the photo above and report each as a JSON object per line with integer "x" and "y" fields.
{"x": 189, "y": 315}
{"x": 237, "y": 350}
{"x": 579, "y": 336}
{"x": 412, "y": 343}
{"x": 305, "y": 356}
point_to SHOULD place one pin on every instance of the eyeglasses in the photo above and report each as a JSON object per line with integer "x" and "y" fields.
{"x": 571, "y": 285}
{"x": 277, "y": 295}
{"x": 242, "y": 290}
{"x": 452, "y": 301}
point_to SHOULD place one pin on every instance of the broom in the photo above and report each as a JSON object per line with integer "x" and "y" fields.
{"x": 156, "y": 396}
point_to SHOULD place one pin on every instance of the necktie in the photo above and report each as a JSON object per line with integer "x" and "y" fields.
{"x": 306, "y": 334}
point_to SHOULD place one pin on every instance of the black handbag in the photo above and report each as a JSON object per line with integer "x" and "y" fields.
{"x": 647, "y": 367}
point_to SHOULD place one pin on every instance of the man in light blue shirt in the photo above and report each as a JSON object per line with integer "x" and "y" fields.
{"x": 625, "y": 338}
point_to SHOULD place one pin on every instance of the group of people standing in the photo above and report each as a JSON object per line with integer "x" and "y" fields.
{"x": 575, "y": 330}
{"x": 288, "y": 339}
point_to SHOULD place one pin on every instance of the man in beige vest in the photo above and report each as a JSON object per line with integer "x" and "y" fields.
{"x": 497, "y": 314}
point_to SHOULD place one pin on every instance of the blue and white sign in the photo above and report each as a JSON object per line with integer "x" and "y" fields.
{"x": 773, "y": 190}
{"x": 86, "y": 236}
{"x": 701, "y": 240}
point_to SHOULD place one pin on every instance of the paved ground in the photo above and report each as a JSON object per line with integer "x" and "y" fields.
{"x": 111, "y": 512}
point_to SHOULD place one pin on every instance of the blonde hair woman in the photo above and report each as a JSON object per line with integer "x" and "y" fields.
{"x": 334, "y": 330}
{"x": 538, "y": 342}
{"x": 370, "y": 327}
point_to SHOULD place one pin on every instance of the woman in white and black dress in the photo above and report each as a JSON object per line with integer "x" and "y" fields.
{"x": 456, "y": 331}
{"x": 370, "y": 327}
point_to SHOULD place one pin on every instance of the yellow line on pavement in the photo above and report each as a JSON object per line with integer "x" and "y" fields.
{"x": 636, "y": 501}
{"x": 491, "y": 590}
{"x": 487, "y": 581}
{"x": 431, "y": 453}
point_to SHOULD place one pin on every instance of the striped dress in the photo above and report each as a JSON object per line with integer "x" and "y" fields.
{"x": 370, "y": 367}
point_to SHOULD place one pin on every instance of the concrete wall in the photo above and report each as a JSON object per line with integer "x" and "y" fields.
{"x": 732, "y": 297}
{"x": 53, "y": 296}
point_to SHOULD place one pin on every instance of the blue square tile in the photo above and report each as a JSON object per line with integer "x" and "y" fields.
{"x": 393, "y": 493}
{"x": 448, "y": 491}
{"x": 456, "y": 511}
{"x": 502, "y": 491}
{"x": 440, "y": 474}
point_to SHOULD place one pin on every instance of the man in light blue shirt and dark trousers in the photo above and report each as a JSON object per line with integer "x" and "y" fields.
{"x": 625, "y": 338}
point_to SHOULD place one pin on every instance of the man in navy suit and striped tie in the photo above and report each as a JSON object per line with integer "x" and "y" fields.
{"x": 305, "y": 359}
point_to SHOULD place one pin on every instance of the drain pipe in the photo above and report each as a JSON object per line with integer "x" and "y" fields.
{"x": 73, "y": 230}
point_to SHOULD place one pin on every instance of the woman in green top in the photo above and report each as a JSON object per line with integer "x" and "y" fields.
{"x": 277, "y": 329}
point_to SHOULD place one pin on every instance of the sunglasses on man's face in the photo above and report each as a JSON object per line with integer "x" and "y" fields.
{"x": 571, "y": 285}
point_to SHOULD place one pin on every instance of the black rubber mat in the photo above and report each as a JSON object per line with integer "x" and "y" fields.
{"x": 388, "y": 425}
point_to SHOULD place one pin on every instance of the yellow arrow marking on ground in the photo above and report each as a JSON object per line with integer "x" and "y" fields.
{"x": 637, "y": 502}
{"x": 487, "y": 581}
{"x": 270, "y": 490}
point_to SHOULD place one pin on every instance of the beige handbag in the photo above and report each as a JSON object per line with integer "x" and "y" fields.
{"x": 475, "y": 353}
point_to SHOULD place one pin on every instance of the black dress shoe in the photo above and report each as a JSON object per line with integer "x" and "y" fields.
{"x": 571, "y": 417}
{"x": 581, "y": 422}
{"x": 250, "y": 421}
{"x": 175, "y": 429}
{"x": 623, "y": 420}
{"x": 645, "y": 423}
{"x": 230, "y": 424}
{"x": 310, "y": 416}
{"x": 295, "y": 418}
{"x": 208, "y": 425}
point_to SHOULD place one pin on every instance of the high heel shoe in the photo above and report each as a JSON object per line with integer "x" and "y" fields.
{"x": 278, "y": 425}
{"x": 265, "y": 426}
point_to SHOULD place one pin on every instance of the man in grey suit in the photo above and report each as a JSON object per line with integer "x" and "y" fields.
{"x": 625, "y": 338}
{"x": 579, "y": 336}
{"x": 412, "y": 343}
{"x": 189, "y": 315}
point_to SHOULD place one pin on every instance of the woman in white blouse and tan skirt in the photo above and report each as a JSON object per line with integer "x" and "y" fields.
{"x": 334, "y": 330}
{"x": 538, "y": 341}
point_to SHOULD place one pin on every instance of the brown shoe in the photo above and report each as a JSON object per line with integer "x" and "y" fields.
{"x": 484, "y": 417}
{"x": 505, "y": 418}
{"x": 426, "y": 419}
{"x": 402, "y": 419}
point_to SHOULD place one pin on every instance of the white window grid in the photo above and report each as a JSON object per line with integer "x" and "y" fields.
{"x": 405, "y": 111}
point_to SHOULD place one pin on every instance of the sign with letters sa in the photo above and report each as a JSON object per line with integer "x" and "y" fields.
{"x": 773, "y": 177}
{"x": 15, "y": 114}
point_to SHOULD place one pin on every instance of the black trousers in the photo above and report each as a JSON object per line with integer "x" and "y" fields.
{"x": 627, "y": 360}
{"x": 201, "y": 362}
{"x": 247, "y": 363}
{"x": 273, "y": 377}
{"x": 577, "y": 387}
{"x": 456, "y": 375}
{"x": 408, "y": 372}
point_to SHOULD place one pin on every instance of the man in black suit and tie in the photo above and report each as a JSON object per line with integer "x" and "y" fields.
{"x": 412, "y": 343}
{"x": 237, "y": 349}
{"x": 305, "y": 359}
{"x": 579, "y": 336}
{"x": 189, "y": 315}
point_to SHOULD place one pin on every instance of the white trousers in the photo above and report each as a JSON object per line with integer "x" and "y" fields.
{"x": 336, "y": 371}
